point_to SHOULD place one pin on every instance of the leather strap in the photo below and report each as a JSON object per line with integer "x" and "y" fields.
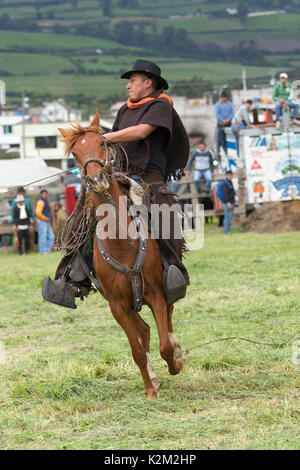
{"x": 87, "y": 272}
{"x": 133, "y": 273}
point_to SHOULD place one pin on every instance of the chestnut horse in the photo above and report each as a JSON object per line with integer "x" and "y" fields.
{"x": 87, "y": 143}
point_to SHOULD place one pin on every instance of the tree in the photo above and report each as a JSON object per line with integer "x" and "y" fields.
{"x": 124, "y": 32}
{"x": 106, "y": 7}
{"x": 242, "y": 11}
{"x": 37, "y": 7}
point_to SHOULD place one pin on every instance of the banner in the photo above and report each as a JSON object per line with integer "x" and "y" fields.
{"x": 272, "y": 164}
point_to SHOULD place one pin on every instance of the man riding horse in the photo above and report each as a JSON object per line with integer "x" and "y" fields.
{"x": 157, "y": 148}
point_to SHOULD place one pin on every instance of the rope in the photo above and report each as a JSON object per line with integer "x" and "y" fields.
{"x": 37, "y": 181}
{"x": 261, "y": 343}
{"x": 74, "y": 234}
{"x": 229, "y": 338}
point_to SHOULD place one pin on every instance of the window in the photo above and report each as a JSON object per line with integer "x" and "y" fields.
{"x": 7, "y": 129}
{"x": 46, "y": 142}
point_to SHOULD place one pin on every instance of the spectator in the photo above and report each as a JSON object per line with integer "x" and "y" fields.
{"x": 241, "y": 121}
{"x": 21, "y": 220}
{"x": 42, "y": 211}
{"x": 224, "y": 113}
{"x": 27, "y": 202}
{"x": 282, "y": 97}
{"x": 228, "y": 200}
{"x": 204, "y": 166}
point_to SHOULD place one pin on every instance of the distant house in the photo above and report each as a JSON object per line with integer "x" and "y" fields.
{"x": 7, "y": 138}
{"x": 232, "y": 11}
{"x": 53, "y": 111}
{"x": 115, "y": 107}
{"x": 43, "y": 141}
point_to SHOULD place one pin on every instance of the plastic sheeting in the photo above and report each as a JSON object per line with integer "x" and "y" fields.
{"x": 23, "y": 172}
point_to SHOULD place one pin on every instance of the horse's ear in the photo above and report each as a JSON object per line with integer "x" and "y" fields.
{"x": 63, "y": 132}
{"x": 96, "y": 120}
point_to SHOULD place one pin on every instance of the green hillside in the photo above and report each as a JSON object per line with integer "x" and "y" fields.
{"x": 77, "y": 49}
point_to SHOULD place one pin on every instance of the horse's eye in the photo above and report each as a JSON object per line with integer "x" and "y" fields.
{"x": 74, "y": 155}
{"x": 102, "y": 144}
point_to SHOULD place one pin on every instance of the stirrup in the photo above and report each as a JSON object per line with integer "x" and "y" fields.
{"x": 174, "y": 285}
{"x": 58, "y": 292}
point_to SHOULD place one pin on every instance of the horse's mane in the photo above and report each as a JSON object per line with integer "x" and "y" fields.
{"x": 77, "y": 130}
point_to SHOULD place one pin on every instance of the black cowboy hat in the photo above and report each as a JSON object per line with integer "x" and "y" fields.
{"x": 224, "y": 94}
{"x": 150, "y": 69}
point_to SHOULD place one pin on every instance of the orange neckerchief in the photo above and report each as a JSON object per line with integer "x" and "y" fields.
{"x": 140, "y": 103}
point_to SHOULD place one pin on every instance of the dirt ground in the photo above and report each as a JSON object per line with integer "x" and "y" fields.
{"x": 274, "y": 217}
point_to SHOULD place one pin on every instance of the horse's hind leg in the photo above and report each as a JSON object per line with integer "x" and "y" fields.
{"x": 126, "y": 320}
{"x": 159, "y": 309}
{"x": 173, "y": 338}
{"x": 143, "y": 330}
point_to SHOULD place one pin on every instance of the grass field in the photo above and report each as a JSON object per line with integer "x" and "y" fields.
{"x": 102, "y": 86}
{"x": 69, "y": 380}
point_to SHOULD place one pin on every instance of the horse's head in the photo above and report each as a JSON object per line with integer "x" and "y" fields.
{"x": 90, "y": 153}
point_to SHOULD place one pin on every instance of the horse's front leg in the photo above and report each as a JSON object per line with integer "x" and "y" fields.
{"x": 167, "y": 350}
{"x": 128, "y": 321}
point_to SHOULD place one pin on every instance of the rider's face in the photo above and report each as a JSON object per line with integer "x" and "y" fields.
{"x": 138, "y": 86}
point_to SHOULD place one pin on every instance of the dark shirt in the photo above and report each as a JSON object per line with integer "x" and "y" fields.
{"x": 158, "y": 151}
{"x": 16, "y": 216}
{"x": 171, "y": 140}
{"x": 27, "y": 202}
{"x": 228, "y": 191}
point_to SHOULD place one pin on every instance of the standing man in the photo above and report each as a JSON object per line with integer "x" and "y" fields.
{"x": 157, "y": 146}
{"x": 204, "y": 166}
{"x": 224, "y": 113}
{"x": 228, "y": 200}
{"x": 27, "y": 202}
{"x": 282, "y": 97}
{"x": 241, "y": 121}
{"x": 42, "y": 211}
{"x": 21, "y": 220}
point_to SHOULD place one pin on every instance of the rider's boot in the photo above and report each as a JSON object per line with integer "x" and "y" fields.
{"x": 63, "y": 291}
{"x": 70, "y": 281}
{"x": 174, "y": 284}
{"x": 175, "y": 275}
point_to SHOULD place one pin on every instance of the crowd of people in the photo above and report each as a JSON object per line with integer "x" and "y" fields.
{"x": 201, "y": 160}
{"x": 226, "y": 117}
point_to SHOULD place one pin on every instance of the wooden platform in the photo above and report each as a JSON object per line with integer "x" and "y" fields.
{"x": 187, "y": 192}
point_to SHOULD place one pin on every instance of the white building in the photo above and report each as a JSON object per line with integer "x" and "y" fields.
{"x": 198, "y": 117}
{"x": 43, "y": 141}
{"x": 240, "y": 96}
{"x": 7, "y": 138}
{"x": 58, "y": 110}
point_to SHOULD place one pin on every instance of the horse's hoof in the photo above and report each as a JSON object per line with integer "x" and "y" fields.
{"x": 151, "y": 393}
{"x": 177, "y": 366}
